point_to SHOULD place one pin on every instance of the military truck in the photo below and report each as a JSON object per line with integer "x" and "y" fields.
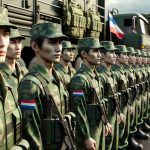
{"x": 79, "y": 18}
{"x": 136, "y": 29}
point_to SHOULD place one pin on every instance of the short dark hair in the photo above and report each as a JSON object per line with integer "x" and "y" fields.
{"x": 86, "y": 49}
{"x": 39, "y": 41}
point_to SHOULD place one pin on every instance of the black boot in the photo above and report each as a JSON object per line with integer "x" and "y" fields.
{"x": 146, "y": 127}
{"x": 133, "y": 144}
{"x": 141, "y": 135}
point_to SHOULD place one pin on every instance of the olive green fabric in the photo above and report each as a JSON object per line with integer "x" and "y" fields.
{"x": 122, "y": 87}
{"x": 67, "y": 45}
{"x": 11, "y": 107}
{"x": 108, "y": 45}
{"x": 89, "y": 42}
{"x": 37, "y": 128}
{"x": 121, "y": 49}
{"x": 4, "y": 21}
{"x": 109, "y": 84}
{"x": 131, "y": 51}
{"x": 85, "y": 105}
{"x": 47, "y": 30}
{"x": 143, "y": 54}
{"x": 14, "y": 33}
{"x": 130, "y": 74}
{"x": 66, "y": 75}
{"x": 138, "y": 52}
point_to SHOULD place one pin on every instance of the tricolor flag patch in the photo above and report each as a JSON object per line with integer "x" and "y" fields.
{"x": 27, "y": 104}
{"x": 78, "y": 93}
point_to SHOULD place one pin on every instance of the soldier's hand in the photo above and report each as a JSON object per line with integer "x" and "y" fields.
{"x": 131, "y": 110}
{"x": 122, "y": 118}
{"x": 118, "y": 118}
{"x": 90, "y": 144}
{"x": 108, "y": 129}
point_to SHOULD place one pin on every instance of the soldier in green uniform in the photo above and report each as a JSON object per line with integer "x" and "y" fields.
{"x": 42, "y": 96}
{"x": 109, "y": 84}
{"x": 148, "y": 69}
{"x": 138, "y": 73}
{"x": 130, "y": 74}
{"x": 64, "y": 67}
{"x": 10, "y": 115}
{"x": 145, "y": 126}
{"x": 86, "y": 97}
{"x": 11, "y": 69}
{"x": 125, "y": 101}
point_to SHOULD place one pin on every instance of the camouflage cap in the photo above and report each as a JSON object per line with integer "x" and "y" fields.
{"x": 109, "y": 45}
{"x": 148, "y": 54}
{"x": 131, "y": 50}
{"x": 4, "y": 21}
{"x": 138, "y": 52}
{"x": 143, "y": 54}
{"x": 15, "y": 34}
{"x": 67, "y": 45}
{"x": 121, "y": 49}
{"x": 89, "y": 42}
{"x": 47, "y": 30}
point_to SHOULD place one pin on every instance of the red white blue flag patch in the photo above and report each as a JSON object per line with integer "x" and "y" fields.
{"x": 78, "y": 93}
{"x": 28, "y": 104}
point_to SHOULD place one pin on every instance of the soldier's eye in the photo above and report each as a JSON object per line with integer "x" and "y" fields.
{"x": 6, "y": 34}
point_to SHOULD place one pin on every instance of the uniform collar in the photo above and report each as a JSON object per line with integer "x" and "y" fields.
{"x": 44, "y": 73}
{"x": 88, "y": 71}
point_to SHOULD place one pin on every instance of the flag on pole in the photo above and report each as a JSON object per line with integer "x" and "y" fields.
{"x": 114, "y": 27}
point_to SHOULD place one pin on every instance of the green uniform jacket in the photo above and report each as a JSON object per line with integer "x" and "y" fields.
{"x": 9, "y": 96}
{"x": 66, "y": 76}
{"x": 85, "y": 105}
{"x": 32, "y": 97}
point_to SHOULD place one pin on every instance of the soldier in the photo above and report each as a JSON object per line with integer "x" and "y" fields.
{"x": 10, "y": 120}
{"x": 109, "y": 84}
{"x": 145, "y": 126}
{"x": 119, "y": 72}
{"x": 42, "y": 96}
{"x": 64, "y": 67}
{"x": 138, "y": 73}
{"x": 11, "y": 69}
{"x": 86, "y": 97}
{"x": 130, "y": 74}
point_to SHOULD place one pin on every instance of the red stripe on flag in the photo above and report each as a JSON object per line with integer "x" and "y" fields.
{"x": 27, "y": 101}
{"x": 119, "y": 35}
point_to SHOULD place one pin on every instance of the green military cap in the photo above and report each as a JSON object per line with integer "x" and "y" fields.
{"x": 15, "y": 34}
{"x": 108, "y": 45}
{"x": 143, "y": 54}
{"x": 121, "y": 49}
{"x": 67, "y": 45}
{"x": 138, "y": 52}
{"x": 131, "y": 50}
{"x": 89, "y": 42}
{"x": 4, "y": 21}
{"x": 49, "y": 30}
{"x": 148, "y": 54}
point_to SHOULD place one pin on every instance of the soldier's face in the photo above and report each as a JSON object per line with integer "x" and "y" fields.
{"x": 68, "y": 55}
{"x": 139, "y": 60}
{"x": 132, "y": 59}
{"x": 123, "y": 58}
{"x": 144, "y": 60}
{"x": 110, "y": 57}
{"x": 51, "y": 50}
{"x": 93, "y": 57}
{"x": 14, "y": 49}
{"x": 4, "y": 42}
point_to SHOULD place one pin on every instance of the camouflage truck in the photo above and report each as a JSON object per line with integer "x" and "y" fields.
{"x": 79, "y": 18}
{"x": 135, "y": 26}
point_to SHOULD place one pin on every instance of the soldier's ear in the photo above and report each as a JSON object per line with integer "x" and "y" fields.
{"x": 103, "y": 55}
{"x": 34, "y": 46}
{"x": 83, "y": 54}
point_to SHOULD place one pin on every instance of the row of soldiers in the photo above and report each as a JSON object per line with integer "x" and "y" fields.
{"x": 104, "y": 105}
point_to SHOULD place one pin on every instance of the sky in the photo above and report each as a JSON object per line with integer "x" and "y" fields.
{"x": 128, "y": 6}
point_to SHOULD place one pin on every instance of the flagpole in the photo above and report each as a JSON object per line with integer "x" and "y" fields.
{"x": 110, "y": 34}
